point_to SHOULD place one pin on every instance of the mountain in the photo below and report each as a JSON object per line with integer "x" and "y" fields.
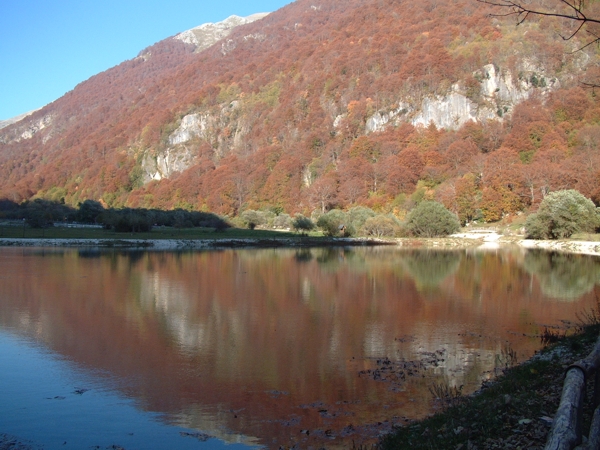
{"x": 7, "y": 122}
{"x": 207, "y": 34}
{"x": 325, "y": 104}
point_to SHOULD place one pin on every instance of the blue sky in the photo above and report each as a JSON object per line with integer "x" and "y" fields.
{"x": 47, "y": 47}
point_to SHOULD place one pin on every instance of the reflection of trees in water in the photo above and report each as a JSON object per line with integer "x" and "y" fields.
{"x": 563, "y": 276}
{"x": 303, "y": 255}
{"x": 332, "y": 255}
{"x": 430, "y": 268}
{"x": 332, "y": 259}
{"x": 89, "y": 253}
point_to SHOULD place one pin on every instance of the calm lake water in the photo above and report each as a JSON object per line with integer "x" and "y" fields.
{"x": 319, "y": 347}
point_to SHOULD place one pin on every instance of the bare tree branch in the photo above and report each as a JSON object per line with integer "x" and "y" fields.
{"x": 522, "y": 11}
{"x": 572, "y": 10}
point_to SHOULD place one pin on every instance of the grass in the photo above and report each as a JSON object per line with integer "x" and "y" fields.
{"x": 513, "y": 411}
{"x": 156, "y": 233}
{"x": 228, "y": 237}
{"x": 586, "y": 237}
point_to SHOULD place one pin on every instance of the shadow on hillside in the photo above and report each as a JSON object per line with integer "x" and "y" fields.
{"x": 40, "y": 213}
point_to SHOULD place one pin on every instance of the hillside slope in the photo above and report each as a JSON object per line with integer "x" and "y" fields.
{"x": 325, "y": 104}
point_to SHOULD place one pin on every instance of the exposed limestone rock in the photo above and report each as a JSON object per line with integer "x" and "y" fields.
{"x": 499, "y": 92}
{"x": 208, "y": 34}
{"x": 224, "y": 129}
{"x": 502, "y": 87}
{"x": 26, "y": 129}
{"x": 166, "y": 163}
{"x": 449, "y": 112}
{"x": 5, "y": 123}
{"x": 193, "y": 125}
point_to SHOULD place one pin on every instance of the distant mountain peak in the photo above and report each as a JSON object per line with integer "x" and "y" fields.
{"x": 7, "y": 122}
{"x": 205, "y": 35}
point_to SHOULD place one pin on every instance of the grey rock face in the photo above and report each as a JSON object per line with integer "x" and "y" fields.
{"x": 208, "y": 34}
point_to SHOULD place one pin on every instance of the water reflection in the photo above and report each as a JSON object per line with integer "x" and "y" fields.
{"x": 429, "y": 268}
{"x": 563, "y": 276}
{"x": 282, "y": 346}
{"x": 57, "y": 406}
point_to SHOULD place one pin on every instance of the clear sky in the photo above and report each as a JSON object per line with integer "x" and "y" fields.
{"x": 47, "y": 47}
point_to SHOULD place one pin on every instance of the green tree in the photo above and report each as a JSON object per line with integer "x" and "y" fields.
{"x": 89, "y": 210}
{"x": 357, "y": 217}
{"x": 42, "y": 213}
{"x": 381, "y": 225}
{"x": 283, "y": 221}
{"x": 333, "y": 223}
{"x": 126, "y": 220}
{"x": 302, "y": 223}
{"x": 252, "y": 218}
{"x": 561, "y": 214}
{"x": 431, "y": 219}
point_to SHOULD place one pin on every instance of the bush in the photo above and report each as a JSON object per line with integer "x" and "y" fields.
{"x": 561, "y": 214}
{"x": 357, "y": 217}
{"x": 38, "y": 219}
{"x": 283, "y": 221}
{"x": 126, "y": 221}
{"x": 333, "y": 223}
{"x": 89, "y": 211}
{"x": 252, "y": 218}
{"x": 302, "y": 223}
{"x": 431, "y": 219}
{"x": 8, "y": 209}
{"x": 41, "y": 213}
{"x": 380, "y": 226}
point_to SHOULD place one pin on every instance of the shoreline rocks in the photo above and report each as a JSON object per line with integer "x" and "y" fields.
{"x": 479, "y": 240}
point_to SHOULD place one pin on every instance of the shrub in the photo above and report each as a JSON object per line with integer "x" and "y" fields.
{"x": 89, "y": 211}
{"x": 334, "y": 223}
{"x": 126, "y": 220}
{"x": 561, "y": 214}
{"x": 41, "y": 213}
{"x": 38, "y": 218}
{"x": 251, "y": 219}
{"x": 358, "y": 216}
{"x": 431, "y": 219}
{"x": 302, "y": 223}
{"x": 181, "y": 219}
{"x": 381, "y": 226}
{"x": 283, "y": 221}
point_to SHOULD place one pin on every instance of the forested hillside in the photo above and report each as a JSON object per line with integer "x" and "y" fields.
{"x": 327, "y": 104}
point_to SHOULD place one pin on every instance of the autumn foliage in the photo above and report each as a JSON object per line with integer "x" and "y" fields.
{"x": 291, "y": 96}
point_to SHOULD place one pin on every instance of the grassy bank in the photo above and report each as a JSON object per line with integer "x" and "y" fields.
{"x": 515, "y": 411}
{"x": 156, "y": 233}
{"x": 173, "y": 238}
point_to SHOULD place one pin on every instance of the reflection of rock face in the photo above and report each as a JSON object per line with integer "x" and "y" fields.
{"x": 173, "y": 302}
{"x": 430, "y": 268}
{"x": 563, "y": 276}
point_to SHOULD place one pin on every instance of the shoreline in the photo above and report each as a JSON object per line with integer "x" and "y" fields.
{"x": 192, "y": 244}
{"x": 479, "y": 240}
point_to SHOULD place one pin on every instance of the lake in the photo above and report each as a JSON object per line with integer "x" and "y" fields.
{"x": 263, "y": 348}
